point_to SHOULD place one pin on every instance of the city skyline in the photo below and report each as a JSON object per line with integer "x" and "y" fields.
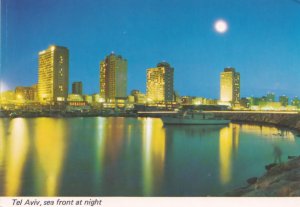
{"x": 263, "y": 48}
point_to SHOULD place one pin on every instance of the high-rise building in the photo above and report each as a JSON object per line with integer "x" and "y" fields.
{"x": 160, "y": 83}
{"x": 77, "y": 88}
{"x": 230, "y": 86}
{"x": 53, "y": 77}
{"x": 113, "y": 77}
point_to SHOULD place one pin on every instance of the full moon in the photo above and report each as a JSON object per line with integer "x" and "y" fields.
{"x": 221, "y": 26}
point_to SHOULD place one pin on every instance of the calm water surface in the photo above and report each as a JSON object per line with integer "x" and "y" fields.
{"x": 133, "y": 156}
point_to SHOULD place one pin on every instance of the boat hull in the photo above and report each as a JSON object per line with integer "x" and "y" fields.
{"x": 183, "y": 121}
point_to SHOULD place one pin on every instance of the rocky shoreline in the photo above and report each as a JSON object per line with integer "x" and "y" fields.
{"x": 281, "y": 180}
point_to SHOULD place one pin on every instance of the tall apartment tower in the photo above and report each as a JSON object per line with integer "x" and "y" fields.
{"x": 113, "y": 77}
{"x": 53, "y": 78}
{"x": 160, "y": 83}
{"x": 230, "y": 86}
{"x": 77, "y": 88}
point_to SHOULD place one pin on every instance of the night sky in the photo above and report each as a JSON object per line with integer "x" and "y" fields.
{"x": 262, "y": 42}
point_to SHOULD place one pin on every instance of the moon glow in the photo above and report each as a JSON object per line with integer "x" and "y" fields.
{"x": 221, "y": 26}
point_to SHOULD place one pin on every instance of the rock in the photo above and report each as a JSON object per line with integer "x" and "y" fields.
{"x": 252, "y": 180}
{"x": 291, "y": 157}
{"x": 268, "y": 167}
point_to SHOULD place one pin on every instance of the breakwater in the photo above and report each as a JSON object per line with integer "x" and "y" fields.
{"x": 284, "y": 119}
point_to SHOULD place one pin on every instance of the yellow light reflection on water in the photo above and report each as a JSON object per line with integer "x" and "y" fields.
{"x": 154, "y": 141}
{"x": 268, "y": 132}
{"x": 50, "y": 148}
{"x": 235, "y": 136}
{"x": 225, "y": 148}
{"x": 228, "y": 147}
{"x": 229, "y": 143}
{"x": 115, "y": 131}
{"x": 100, "y": 135}
{"x": 17, "y": 148}
{"x": 147, "y": 167}
{"x": 2, "y": 143}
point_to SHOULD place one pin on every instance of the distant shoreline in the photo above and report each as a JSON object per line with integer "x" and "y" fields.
{"x": 291, "y": 121}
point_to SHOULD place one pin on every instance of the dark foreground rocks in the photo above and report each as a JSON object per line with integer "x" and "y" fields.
{"x": 279, "y": 181}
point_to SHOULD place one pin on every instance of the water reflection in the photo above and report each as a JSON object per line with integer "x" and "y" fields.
{"x": 50, "y": 146}
{"x": 277, "y": 153}
{"x": 99, "y": 135}
{"x": 2, "y": 155}
{"x": 114, "y": 138}
{"x": 193, "y": 130}
{"x": 154, "y": 148}
{"x": 2, "y": 146}
{"x": 228, "y": 146}
{"x": 268, "y": 131}
{"x": 127, "y": 156}
{"x": 17, "y": 148}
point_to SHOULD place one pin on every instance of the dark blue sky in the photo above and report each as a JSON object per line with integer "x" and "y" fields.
{"x": 262, "y": 43}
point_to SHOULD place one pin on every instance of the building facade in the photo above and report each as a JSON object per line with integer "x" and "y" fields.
{"x": 77, "y": 88}
{"x": 53, "y": 78}
{"x": 160, "y": 83}
{"x": 230, "y": 86}
{"x": 113, "y": 77}
{"x": 138, "y": 96}
{"x": 25, "y": 93}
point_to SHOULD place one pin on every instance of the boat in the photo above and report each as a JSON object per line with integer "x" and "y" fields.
{"x": 202, "y": 118}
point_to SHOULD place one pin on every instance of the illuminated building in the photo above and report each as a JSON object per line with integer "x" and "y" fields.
{"x": 177, "y": 97}
{"x": 96, "y": 98}
{"x": 130, "y": 99}
{"x": 77, "y": 88}
{"x": 7, "y": 96}
{"x": 230, "y": 86}
{"x": 76, "y": 103}
{"x": 160, "y": 81}
{"x": 113, "y": 77}
{"x": 296, "y": 101}
{"x": 35, "y": 89}
{"x": 53, "y": 77}
{"x": 88, "y": 99}
{"x": 25, "y": 93}
{"x": 139, "y": 97}
{"x": 270, "y": 97}
{"x": 284, "y": 100}
{"x": 186, "y": 100}
{"x": 74, "y": 97}
{"x": 245, "y": 102}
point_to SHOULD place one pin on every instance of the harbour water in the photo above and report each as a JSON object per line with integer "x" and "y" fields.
{"x": 115, "y": 156}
